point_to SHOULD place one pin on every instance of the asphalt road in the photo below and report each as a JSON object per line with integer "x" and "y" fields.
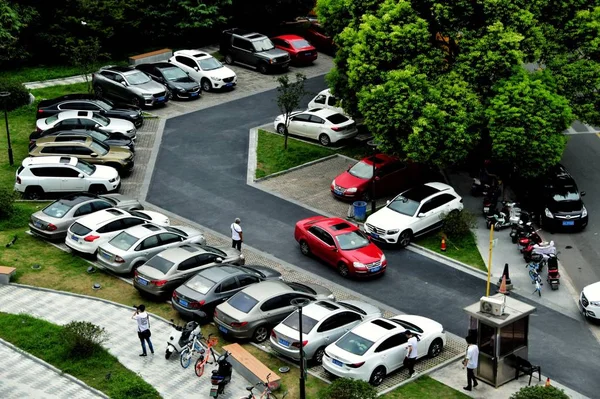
{"x": 200, "y": 174}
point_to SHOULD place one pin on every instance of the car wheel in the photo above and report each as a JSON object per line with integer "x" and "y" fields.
{"x": 229, "y": 59}
{"x": 304, "y": 248}
{"x": 343, "y": 270}
{"x": 206, "y": 85}
{"x": 435, "y": 348}
{"x": 97, "y": 189}
{"x": 34, "y": 193}
{"x": 98, "y": 90}
{"x": 324, "y": 140}
{"x": 260, "y": 334}
{"x": 262, "y": 68}
{"x": 377, "y": 376}
{"x": 318, "y": 356}
{"x": 404, "y": 238}
{"x": 135, "y": 101}
{"x": 281, "y": 128}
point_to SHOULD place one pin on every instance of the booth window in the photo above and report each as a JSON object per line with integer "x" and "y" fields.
{"x": 513, "y": 336}
{"x": 487, "y": 338}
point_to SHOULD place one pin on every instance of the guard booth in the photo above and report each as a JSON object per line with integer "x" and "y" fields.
{"x": 501, "y": 325}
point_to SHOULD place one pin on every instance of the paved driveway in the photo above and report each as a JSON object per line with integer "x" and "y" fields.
{"x": 200, "y": 174}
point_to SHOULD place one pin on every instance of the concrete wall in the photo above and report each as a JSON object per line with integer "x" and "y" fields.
{"x": 153, "y": 58}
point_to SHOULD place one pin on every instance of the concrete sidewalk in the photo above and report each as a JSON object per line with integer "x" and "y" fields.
{"x": 166, "y": 376}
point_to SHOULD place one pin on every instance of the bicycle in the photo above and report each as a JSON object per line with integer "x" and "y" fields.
{"x": 536, "y": 279}
{"x": 195, "y": 345}
{"x": 202, "y": 360}
{"x": 267, "y": 391}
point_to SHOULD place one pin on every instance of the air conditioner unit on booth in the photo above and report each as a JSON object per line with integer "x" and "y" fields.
{"x": 494, "y": 306}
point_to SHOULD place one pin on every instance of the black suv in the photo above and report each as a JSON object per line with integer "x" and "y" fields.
{"x": 178, "y": 82}
{"x": 557, "y": 200}
{"x": 252, "y": 49}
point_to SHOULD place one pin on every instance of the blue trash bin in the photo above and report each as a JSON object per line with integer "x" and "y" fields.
{"x": 360, "y": 210}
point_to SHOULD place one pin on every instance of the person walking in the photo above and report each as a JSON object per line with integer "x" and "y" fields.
{"x": 471, "y": 361}
{"x": 144, "y": 333}
{"x": 237, "y": 237}
{"x": 412, "y": 353}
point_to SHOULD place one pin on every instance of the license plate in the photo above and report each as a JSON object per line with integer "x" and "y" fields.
{"x": 284, "y": 342}
{"x": 337, "y": 362}
{"x": 183, "y": 303}
{"x": 160, "y": 99}
{"x": 568, "y": 223}
{"x": 375, "y": 269}
{"x": 374, "y": 235}
{"x": 74, "y": 238}
{"x": 142, "y": 281}
{"x": 307, "y": 54}
{"x": 105, "y": 255}
{"x": 194, "y": 94}
{"x": 228, "y": 84}
{"x": 486, "y": 209}
{"x": 37, "y": 224}
{"x": 214, "y": 392}
{"x": 223, "y": 329}
{"x": 338, "y": 192}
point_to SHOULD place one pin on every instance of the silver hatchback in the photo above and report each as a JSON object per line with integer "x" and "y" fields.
{"x": 133, "y": 247}
{"x": 323, "y": 322}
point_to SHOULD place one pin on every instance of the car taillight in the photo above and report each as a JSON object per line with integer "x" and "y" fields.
{"x": 37, "y": 129}
{"x": 174, "y": 294}
{"x": 18, "y": 180}
{"x": 197, "y": 305}
{"x": 238, "y": 325}
{"x": 273, "y": 334}
{"x": 40, "y": 111}
{"x": 335, "y": 128}
{"x": 91, "y": 238}
{"x": 297, "y": 344}
{"x": 51, "y": 227}
{"x": 135, "y": 273}
{"x": 118, "y": 259}
{"x": 215, "y": 313}
{"x": 158, "y": 283}
{"x": 355, "y": 365}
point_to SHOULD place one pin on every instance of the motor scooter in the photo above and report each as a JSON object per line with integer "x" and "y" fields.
{"x": 490, "y": 199}
{"x": 528, "y": 240}
{"x": 180, "y": 336}
{"x": 522, "y": 227}
{"x": 221, "y": 376}
{"x": 553, "y": 277}
{"x": 545, "y": 249}
{"x": 509, "y": 215}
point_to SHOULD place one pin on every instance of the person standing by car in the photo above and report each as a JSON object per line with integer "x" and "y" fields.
{"x": 470, "y": 362}
{"x": 411, "y": 354}
{"x": 237, "y": 237}
{"x": 144, "y": 333}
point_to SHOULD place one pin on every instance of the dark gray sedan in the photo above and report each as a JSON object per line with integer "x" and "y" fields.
{"x": 198, "y": 297}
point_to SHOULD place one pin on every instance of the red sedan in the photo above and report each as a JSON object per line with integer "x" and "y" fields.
{"x": 340, "y": 244}
{"x": 391, "y": 177}
{"x": 300, "y": 51}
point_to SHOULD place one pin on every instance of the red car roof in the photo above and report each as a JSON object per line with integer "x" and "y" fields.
{"x": 289, "y": 37}
{"x": 382, "y": 159}
{"x": 334, "y": 226}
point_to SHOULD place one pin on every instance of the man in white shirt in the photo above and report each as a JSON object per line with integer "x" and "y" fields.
{"x": 412, "y": 353}
{"x": 143, "y": 322}
{"x": 471, "y": 361}
{"x": 237, "y": 237}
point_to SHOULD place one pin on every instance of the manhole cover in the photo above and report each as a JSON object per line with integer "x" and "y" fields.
{"x": 36, "y": 267}
{"x": 284, "y": 369}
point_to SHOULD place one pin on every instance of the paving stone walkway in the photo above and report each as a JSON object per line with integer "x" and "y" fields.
{"x": 167, "y": 376}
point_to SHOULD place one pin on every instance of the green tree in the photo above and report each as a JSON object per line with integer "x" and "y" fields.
{"x": 540, "y": 392}
{"x": 86, "y": 54}
{"x": 288, "y": 99}
{"x": 13, "y": 19}
{"x": 263, "y": 14}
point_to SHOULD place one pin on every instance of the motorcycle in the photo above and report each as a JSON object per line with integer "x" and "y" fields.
{"x": 490, "y": 199}
{"x": 529, "y": 239}
{"x": 221, "y": 376}
{"x": 509, "y": 215}
{"x": 522, "y": 227}
{"x": 180, "y": 336}
{"x": 553, "y": 277}
{"x": 545, "y": 249}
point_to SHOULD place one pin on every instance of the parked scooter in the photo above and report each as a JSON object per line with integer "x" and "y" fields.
{"x": 529, "y": 239}
{"x": 508, "y": 215}
{"x": 221, "y": 376}
{"x": 553, "y": 277}
{"x": 522, "y": 227}
{"x": 180, "y": 336}
{"x": 544, "y": 249}
{"x": 490, "y": 199}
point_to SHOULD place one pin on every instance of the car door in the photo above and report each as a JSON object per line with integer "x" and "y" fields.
{"x": 149, "y": 247}
{"x": 297, "y": 124}
{"x": 168, "y": 240}
{"x": 392, "y": 351}
{"x": 330, "y": 330}
{"x": 50, "y": 178}
{"x": 83, "y": 209}
{"x": 189, "y": 65}
{"x": 443, "y": 206}
{"x": 184, "y": 270}
{"x": 71, "y": 180}
{"x": 425, "y": 216}
{"x": 226, "y": 290}
{"x": 272, "y": 308}
{"x": 110, "y": 85}
{"x": 202, "y": 261}
{"x": 242, "y": 50}
{"x": 99, "y": 205}
{"x": 315, "y": 126}
{"x": 321, "y": 244}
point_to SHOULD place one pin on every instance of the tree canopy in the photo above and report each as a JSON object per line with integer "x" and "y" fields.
{"x": 434, "y": 80}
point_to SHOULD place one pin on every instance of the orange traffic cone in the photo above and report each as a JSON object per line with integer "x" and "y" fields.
{"x": 547, "y": 382}
{"x": 502, "y": 288}
{"x": 443, "y": 246}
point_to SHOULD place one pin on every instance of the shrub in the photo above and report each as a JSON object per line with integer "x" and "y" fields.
{"x": 19, "y": 95}
{"x": 7, "y": 202}
{"x": 347, "y": 388}
{"x": 458, "y": 224}
{"x": 83, "y": 338}
{"x": 540, "y": 392}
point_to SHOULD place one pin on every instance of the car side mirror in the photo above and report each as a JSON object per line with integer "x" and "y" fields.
{"x": 377, "y": 178}
{"x": 97, "y": 125}
{"x": 80, "y": 175}
{"x": 388, "y": 202}
{"x": 582, "y": 193}
{"x": 333, "y": 248}
{"x": 196, "y": 69}
{"x": 420, "y": 215}
{"x": 124, "y": 83}
{"x": 93, "y": 155}
{"x": 219, "y": 260}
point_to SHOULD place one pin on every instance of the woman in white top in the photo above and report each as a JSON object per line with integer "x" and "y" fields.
{"x": 144, "y": 334}
{"x": 471, "y": 361}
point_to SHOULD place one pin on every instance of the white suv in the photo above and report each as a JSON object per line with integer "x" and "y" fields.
{"x": 326, "y": 100}
{"x": 39, "y": 175}
{"x": 204, "y": 68}
{"x": 416, "y": 211}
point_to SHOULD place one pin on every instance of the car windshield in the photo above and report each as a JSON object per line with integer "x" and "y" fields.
{"x": 208, "y": 64}
{"x": 123, "y": 241}
{"x": 99, "y": 148}
{"x": 137, "y": 78}
{"x": 85, "y": 167}
{"x": 362, "y": 170}
{"x": 263, "y": 45}
{"x": 101, "y": 120}
{"x": 174, "y": 73}
{"x": 242, "y": 302}
{"x": 292, "y": 322}
{"x": 160, "y": 263}
{"x": 567, "y": 193}
{"x": 57, "y": 209}
{"x": 337, "y": 118}
{"x": 353, "y": 240}
{"x": 300, "y": 43}
{"x": 99, "y": 135}
{"x": 51, "y": 119}
{"x": 200, "y": 284}
{"x": 354, "y": 344}
{"x": 404, "y": 205}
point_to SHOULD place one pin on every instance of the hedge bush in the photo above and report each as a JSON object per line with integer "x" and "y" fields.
{"x": 7, "y": 202}
{"x": 19, "y": 95}
{"x": 347, "y": 388}
{"x": 458, "y": 224}
{"x": 540, "y": 392}
{"x": 84, "y": 338}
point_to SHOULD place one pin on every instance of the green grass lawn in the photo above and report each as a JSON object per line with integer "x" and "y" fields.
{"x": 425, "y": 388}
{"x": 464, "y": 250}
{"x": 43, "y": 72}
{"x": 45, "y": 341}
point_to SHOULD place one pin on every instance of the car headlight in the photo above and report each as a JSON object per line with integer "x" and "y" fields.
{"x": 595, "y": 303}
{"x": 393, "y": 231}
{"x": 215, "y": 78}
{"x": 333, "y": 182}
{"x": 112, "y": 180}
{"x": 583, "y": 212}
{"x": 359, "y": 265}
{"x": 351, "y": 190}
{"x": 241, "y": 256}
{"x": 181, "y": 89}
{"x": 382, "y": 258}
{"x": 133, "y": 116}
{"x": 548, "y": 213}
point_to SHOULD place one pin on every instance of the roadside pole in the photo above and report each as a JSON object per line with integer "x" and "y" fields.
{"x": 489, "y": 276}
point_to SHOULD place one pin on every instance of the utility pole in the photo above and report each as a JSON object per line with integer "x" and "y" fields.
{"x": 299, "y": 303}
{"x": 4, "y": 95}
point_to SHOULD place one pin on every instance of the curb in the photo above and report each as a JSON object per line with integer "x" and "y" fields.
{"x": 446, "y": 260}
{"x": 283, "y": 172}
{"x": 51, "y": 367}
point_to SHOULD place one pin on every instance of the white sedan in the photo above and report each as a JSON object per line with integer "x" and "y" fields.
{"x": 377, "y": 347}
{"x": 87, "y": 119}
{"x": 321, "y": 124}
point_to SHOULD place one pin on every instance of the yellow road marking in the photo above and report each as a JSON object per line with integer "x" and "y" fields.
{"x": 598, "y": 134}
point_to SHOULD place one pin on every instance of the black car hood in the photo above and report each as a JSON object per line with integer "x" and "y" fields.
{"x": 185, "y": 84}
{"x": 575, "y": 206}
